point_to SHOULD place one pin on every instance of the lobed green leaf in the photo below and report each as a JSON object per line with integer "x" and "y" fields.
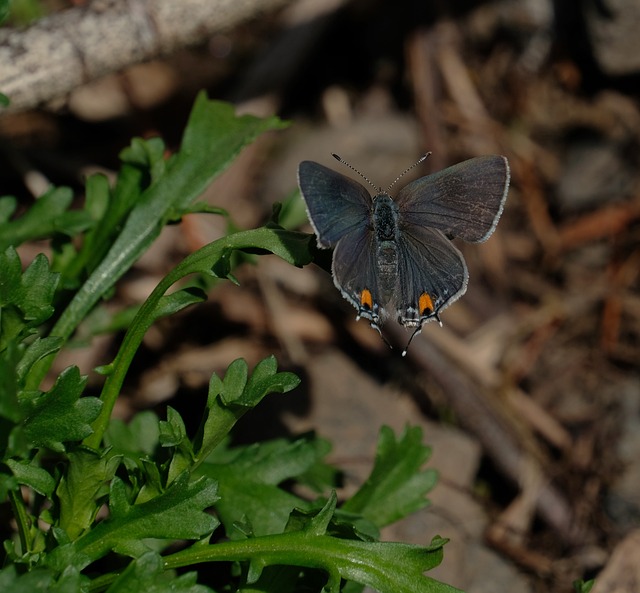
{"x": 25, "y": 297}
{"x": 48, "y": 215}
{"x": 147, "y": 574}
{"x": 249, "y": 484}
{"x": 31, "y": 475}
{"x": 213, "y": 138}
{"x": 396, "y": 486}
{"x": 387, "y": 567}
{"x": 60, "y": 415}
{"x": 177, "y": 513}
{"x": 82, "y": 487}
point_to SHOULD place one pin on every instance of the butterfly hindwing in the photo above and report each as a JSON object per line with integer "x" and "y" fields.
{"x": 464, "y": 200}
{"x": 355, "y": 272}
{"x": 432, "y": 274}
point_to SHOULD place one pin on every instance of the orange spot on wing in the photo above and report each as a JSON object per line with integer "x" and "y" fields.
{"x": 425, "y": 304}
{"x": 366, "y": 299}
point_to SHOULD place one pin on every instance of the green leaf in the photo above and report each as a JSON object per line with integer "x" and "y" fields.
{"x": 75, "y": 266}
{"x": 82, "y": 486}
{"x": 8, "y": 205}
{"x": 38, "y": 286}
{"x": 42, "y": 580}
{"x": 583, "y": 586}
{"x": 178, "y": 300}
{"x": 139, "y": 437}
{"x": 204, "y": 208}
{"x": 230, "y": 399}
{"x": 396, "y": 486}
{"x": 390, "y": 567}
{"x": 173, "y": 432}
{"x": 97, "y": 196}
{"x": 48, "y": 215}
{"x": 5, "y": 7}
{"x": 178, "y": 513}
{"x": 35, "y": 352}
{"x": 61, "y": 415}
{"x": 35, "y": 581}
{"x": 25, "y": 298}
{"x": 249, "y": 483}
{"x": 214, "y": 132}
{"x": 130, "y": 184}
{"x": 213, "y": 138}
{"x": 387, "y": 567}
{"x": 147, "y": 574}
{"x": 238, "y": 390}
{"x": 8, "y": 484}
{"x": 24, "y": 12}
{"x": 10, "y": 277}
{"x": 9, "y": 406}
{"x": 265, "y": 380}
{"x": 147, "y": 155}
{"x": 4, "y": 100}
{"x": 235, "y": 380}
{"x": 70, "y": 581}
{"x": 33, "y": 476}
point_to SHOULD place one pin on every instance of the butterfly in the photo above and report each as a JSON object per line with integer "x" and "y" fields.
{"x": 393, "y": 256}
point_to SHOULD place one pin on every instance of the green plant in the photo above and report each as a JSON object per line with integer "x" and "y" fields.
{"x": 23, "y": 12}
{"x": 5, "y": 7}
{"x": 583, "y": 586}
{"x": 64, "y": 459}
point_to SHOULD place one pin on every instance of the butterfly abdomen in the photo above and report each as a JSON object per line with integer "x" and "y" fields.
{"x": 385, "y": 224}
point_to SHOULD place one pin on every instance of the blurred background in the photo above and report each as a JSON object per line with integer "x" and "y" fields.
{"x": 530, "y": 392}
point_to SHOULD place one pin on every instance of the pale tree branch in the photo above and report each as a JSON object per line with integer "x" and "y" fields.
{"x": 61, "y": 52}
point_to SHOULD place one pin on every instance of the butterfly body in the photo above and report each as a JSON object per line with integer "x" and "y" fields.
{"x": 393, "y": 257}
{"x": 386, "y": 229}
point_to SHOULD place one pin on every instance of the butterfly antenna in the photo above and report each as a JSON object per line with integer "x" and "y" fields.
{"x": 373, "y": 185}
{"x": 422, "y": 159}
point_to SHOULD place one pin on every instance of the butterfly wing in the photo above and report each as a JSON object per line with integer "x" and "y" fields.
{"x": 340, "y": 211}
{"x": 355, "y": 273}
{"x": 432, "y": 274}
{"x": 336, "y": 205}
{"x": 465, "y": 200}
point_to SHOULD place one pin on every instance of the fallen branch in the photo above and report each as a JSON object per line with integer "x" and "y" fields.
{"x": 70, "y": 48}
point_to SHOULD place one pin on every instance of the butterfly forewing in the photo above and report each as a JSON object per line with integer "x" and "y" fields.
{"x": 464, "y": 200}
{"x": 336, "y": 204}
